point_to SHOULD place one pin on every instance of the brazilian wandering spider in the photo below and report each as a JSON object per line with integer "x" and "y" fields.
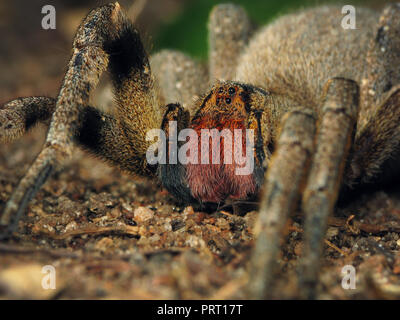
{"x": 294, "y": 82}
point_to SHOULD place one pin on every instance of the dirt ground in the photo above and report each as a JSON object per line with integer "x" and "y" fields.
{"x": 113, "y": 236}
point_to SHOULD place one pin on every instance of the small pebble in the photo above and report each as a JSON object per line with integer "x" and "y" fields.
{"x": 332, "y": 232}
{"x": 142, "y": 214}
{"x": 188, "y": 210}
{"x": 71, "y": 226}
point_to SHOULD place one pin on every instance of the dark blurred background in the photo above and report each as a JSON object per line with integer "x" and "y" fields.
{"x": 32, "y": 60}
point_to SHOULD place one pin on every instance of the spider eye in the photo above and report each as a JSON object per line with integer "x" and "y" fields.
{"x": 231, "y": 90}
{"x": 220, "y": 90}
{"x": 228, "y": 100}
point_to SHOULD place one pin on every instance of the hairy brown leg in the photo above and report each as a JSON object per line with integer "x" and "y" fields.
{"x": 180, "y": 78}
{"x": 137, "y": 100}
{"x": 104, "y": 35}
{"x": 20, "y": 115}
{"x": 383, "y": 61}
{"x": 375, "y": 156}
{"x": 284, "y": 179}
{"x": 229, "y": 32}
{"x": 334, "y": 139}
{"x": 173, "y": 175}
{"x": 97, "y": 132}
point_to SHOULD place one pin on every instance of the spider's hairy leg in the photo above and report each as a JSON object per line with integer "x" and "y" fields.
{"x": 229, "y": 32}
{"x": 284, "y": 178}
{"x": 99, "y": 38}
{"x": 137, "y": 99}
{"x": 383, "y": 60}
{"x": 334, "y": 138}
{"x": 173, "y": 174}
{"x": 375, "y": 156}
{"x": 20, "y": 115}
{"x": 180, "y": 78}
{"x": 103, "y": 135}
{"x": 97, "y": 132}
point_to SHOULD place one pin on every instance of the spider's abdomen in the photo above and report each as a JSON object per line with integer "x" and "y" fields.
{"x": 297, "y": 54}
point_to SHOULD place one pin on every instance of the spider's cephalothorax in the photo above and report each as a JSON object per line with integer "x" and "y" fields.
{"x": 315, "y": 131}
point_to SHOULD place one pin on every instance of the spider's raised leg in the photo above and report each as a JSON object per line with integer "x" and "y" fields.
{"x": 105, "y": 35}
{"x": 334, "y": 139}
{"x": 181, "y": 79}
{"x": 284, "y": 179}
{"x": 383, "y": 60}
{"x": 229, "y": 32}
{"x": 20, "y": 115}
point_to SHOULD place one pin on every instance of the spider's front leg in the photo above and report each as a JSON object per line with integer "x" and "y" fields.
{"x": 284, "y": 178}
{"x": 287, "y": 175}
{"x": 374, "y": 154}
{"x": 104, "y": 37}
{"x": 334, "y": 138}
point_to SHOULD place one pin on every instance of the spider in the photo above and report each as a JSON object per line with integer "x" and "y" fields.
{"x": 294, "y": 82}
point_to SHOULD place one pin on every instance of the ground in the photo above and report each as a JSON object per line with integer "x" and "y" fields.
{"x": 111, "y": 235}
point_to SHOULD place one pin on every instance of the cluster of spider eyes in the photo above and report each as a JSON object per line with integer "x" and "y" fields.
{"x": 231, "y": 91}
